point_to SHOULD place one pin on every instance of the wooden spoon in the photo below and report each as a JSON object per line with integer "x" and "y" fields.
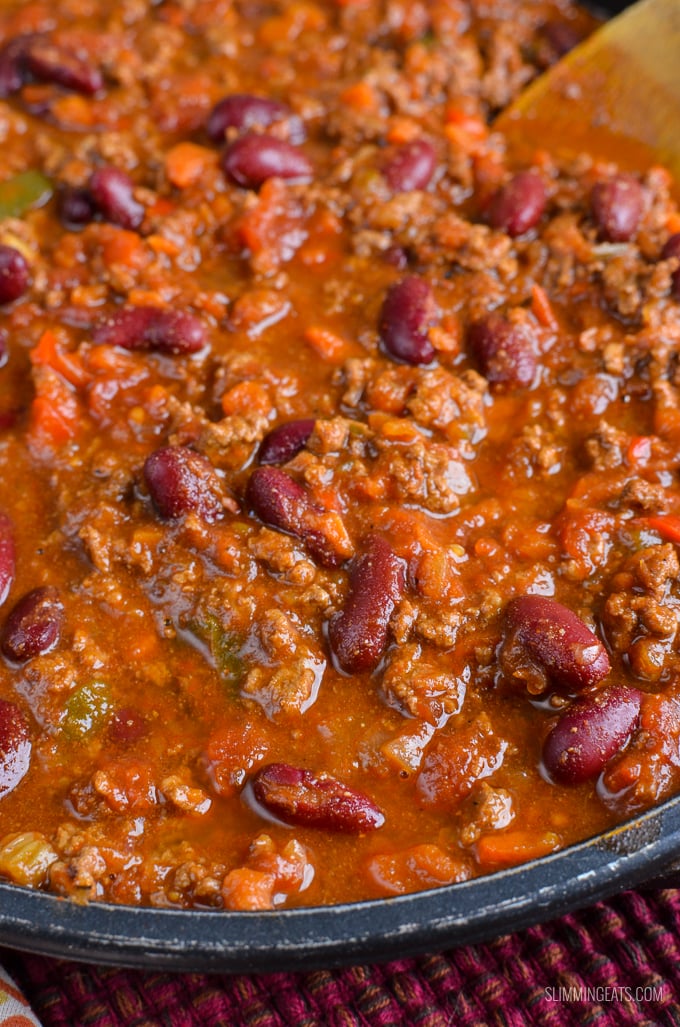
{"x": 615, "y": 96}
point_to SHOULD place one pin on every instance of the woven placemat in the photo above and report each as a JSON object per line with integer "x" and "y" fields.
{"x": 614, "y": 964}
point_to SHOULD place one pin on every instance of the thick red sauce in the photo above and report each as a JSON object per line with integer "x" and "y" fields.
{"x": 427, "y": 628}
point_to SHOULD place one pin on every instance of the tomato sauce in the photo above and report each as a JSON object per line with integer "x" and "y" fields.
{"x": 340, "y": 511}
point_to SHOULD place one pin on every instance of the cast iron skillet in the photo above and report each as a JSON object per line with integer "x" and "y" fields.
{"x": 639, "y": 852}
{"x": 297, "y": 939}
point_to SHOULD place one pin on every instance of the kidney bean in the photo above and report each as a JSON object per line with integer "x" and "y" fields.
{"x": 15, "y": 274}
{"x": 519, "y": 204}
{"x": 358, "y": 633}
{"x": 251, "y": 159}
{"x": 561, "y": 35}
{"x": 76, "y": 206}
{"x": 7, "y": 556}
{"x": 149, "y": 328}
{"x": 616, "y": 206}
{"x": 503, "y": 350}
{"x": 568, "y": 651}
{"x": 243, "y": 111}
{"x": 33, "y": 626}
{"x": 396, "y": 256}
{"x": 591, "y": 731}
{"x": 408, "y": 311}
{"x": 672, "y": 249}
{"x": 277, "y": 499}
{"x": 282, "y": 503}
{"x": 15, "y": 746}
{"x": 112, "y": 191}
{"x": 127, "y": 726}
{"x": 282, "y": 443}
{"x": 299, "y": 797}
{"x": 181, "y": 481}
{"x": 50, "y": 63}
{"x": 12, "y": 66}
{"x": 411, "y": 166}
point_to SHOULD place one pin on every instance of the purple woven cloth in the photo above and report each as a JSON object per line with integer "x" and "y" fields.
{"x": 614, "y": 964}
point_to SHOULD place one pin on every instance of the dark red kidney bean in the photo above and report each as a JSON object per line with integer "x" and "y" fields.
{"x": 672, "y": 249}
{"x": 396, "y": 256}
{"x": 503, "y": 350}
{"x": 407, "y": 312}
{"x": 15, "y": 274}
{"x": 561, "y": 35}
{"x": 127, "y": 726}
{"x": 15, "y": 746}
{"x": 149, "y": 328}
{"x": 616, "y": 206}
{"x": 181, "y": 481}
{"x": 243, "y": 111}
{"x": 282, "y": 443}
{"x": 113, "y": 193}
{"x": 277, "y": 499}
{"x": 300, "y": 798}
{"x": 7, "y": 556}
{"x": 519, "y": 204}
{"x": 282, "y": 503}
{"x": 251, "y": 159}
{"x": 591, "y": 731}
{"x": 75, "y": 206}
{"x": 34, "y": 625}
{"x": 12, "y": 67}
{"x": 50, "y": 63}
{"x": 568, "y": 651}
{"x": 411, "y": 166}
{"x": 358, "y": 633}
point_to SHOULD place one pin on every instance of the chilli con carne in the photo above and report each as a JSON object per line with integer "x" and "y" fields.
{"x": 340, "y": 506}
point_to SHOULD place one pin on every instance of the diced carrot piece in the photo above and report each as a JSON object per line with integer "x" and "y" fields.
{"x": 667, "y": 525}
{"x": 119, "y": 246}
{"x": 542, "y": 308}
{"x": 507, "y": 848}
{"x": 112, "y": 361}
{"x": 400, "y": 429}
{"x": 73, "y": 111}
{"x": 361, "y": 96}
{"x": 159, "y": 244}
{"x": 471, "y": 124}
{"x": 186, "y": 163}
{"x": 248, "y": 889}
{"x": 673, "y": 222}
{"x": 68, "y": 365}
{"x": 486, "y": 547}
{"x": 145, "y": 298}
{"x": 639, "y": 451}
{"x": 329, "y": 345}
{"x": 246, "y": 398}
{"x": 55, "y": 413}
{"x": 446, "y": 337}
{"x": 162, "y": 207}
{"x": 403, "y": 130}
{"x": 48, "y": 426}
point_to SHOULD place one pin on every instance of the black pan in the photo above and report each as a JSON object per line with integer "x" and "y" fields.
{"x": 300, "y": 939}
{"x": 641, "y": 851}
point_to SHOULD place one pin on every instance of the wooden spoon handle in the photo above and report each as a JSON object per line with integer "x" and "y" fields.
{"x": 616, "y": 96}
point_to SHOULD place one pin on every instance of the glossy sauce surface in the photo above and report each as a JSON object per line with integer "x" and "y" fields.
{"x": 339, "y": 456}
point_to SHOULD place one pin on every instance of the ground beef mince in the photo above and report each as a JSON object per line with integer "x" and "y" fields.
{"x": 340, "y": 509}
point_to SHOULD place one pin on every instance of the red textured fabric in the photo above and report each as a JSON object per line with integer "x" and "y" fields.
{"x": 626, "y": 951}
